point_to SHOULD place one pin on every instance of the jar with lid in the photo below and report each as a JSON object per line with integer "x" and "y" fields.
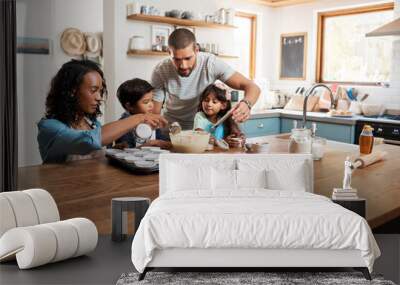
{"x": 366, "y": 140}
{"x": 137, "y": 43}
{"x": 300, "y": 141}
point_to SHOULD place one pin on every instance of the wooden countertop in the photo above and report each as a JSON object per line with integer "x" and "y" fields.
{"x": 85, "y": 188}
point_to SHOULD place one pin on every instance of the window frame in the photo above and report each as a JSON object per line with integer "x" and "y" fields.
{"x": 253, "y": 40}
{"x": 322, "y": 16}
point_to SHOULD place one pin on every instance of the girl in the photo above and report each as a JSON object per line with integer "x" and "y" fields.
{"x": 214, "y": 105}
{"x": 136, "y": 97}
{"x": 70, "y": 129}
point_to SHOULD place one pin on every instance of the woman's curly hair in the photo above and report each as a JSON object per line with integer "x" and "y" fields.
{"x": 60, "y": 102}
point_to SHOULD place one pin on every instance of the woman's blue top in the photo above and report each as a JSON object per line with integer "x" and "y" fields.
{"x": 58, "y": 140}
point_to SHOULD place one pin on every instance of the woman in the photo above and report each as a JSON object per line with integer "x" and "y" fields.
{"x": 70, "y": 128}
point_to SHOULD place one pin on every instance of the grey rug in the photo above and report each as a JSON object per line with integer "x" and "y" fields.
{"x": 243, "y": 278}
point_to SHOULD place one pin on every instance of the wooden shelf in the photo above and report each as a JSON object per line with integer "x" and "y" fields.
{"x": 164, "y": 53}
{"x": 177, "y": 21}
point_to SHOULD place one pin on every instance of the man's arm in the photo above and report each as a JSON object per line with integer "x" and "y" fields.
{"x": 251, "y": 94}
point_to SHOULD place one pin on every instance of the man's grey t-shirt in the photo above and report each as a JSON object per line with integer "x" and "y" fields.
{"x": 182, "y": 93}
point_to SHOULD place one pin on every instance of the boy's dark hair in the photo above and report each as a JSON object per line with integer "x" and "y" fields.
{"x": 181, "y": 38}
{"x": 131, "y": 91}
{"x": 220, "y": 94}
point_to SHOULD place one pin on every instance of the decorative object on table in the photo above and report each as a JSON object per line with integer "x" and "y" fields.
{"x": 73, "y": 42}
{"x": 356, "y": 205}
{"x": 347, "y": 192}
{"x": 159, "y": 37}
{"x": 31, "y": 230}
{"x": 136, "y": 43}
{"x": 33, "y": 45}
{"x": 119, "y": 217}
{"x": 293, "y": 56}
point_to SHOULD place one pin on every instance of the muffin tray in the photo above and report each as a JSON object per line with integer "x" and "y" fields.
{"x": 135, "y": 160}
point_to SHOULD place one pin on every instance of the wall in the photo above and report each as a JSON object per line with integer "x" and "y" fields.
{"x": 45, "y": 19}
{"x": 303, "y": 18}
{"x": 119, "y": 67}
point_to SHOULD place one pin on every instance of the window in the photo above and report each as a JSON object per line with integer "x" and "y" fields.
{"x": 245, "y": 41}
{"x": 345, "y": 54}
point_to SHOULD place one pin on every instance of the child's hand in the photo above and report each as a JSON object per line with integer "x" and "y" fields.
{"x": 235, "y": 141}
{"x": 154, "y": 120}
{"x": 121, "y": 145}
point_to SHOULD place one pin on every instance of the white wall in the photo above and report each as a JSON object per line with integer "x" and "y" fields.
{"x": 119, "y": 67}
{"x": 303, "y": 18}
{"x": 45, "y": 19}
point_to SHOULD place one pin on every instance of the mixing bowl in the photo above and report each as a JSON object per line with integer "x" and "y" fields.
{"x": 190, "y": 141}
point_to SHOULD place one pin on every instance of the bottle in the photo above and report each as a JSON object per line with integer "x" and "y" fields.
{"x": 366, "y": 140}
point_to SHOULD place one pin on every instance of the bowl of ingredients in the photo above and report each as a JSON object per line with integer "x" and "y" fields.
{"x": 190, "y": 141}
{"x": 372, "y": 109}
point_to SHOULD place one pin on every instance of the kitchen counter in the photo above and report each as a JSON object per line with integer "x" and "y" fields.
{"x": 85, "y": 188}
{"x": 317, "y": 116}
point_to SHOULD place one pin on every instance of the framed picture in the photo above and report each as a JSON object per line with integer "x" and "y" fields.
{"x": 33, "y": 45}
{"x": 192, "y": 29}
{"x": 293, "y": 56}
{"x": 159, "y": 36}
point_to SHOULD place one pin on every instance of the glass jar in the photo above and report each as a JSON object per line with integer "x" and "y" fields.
{"x": 366, "y": 140}
{"x": 300, "y": 141}
{"x": 318, "y": 148}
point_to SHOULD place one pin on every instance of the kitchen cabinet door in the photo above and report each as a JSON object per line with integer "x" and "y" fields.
{"x": 330, "y": 131}
{"x": 261, "y": 127}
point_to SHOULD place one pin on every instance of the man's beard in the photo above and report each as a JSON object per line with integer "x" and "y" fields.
{"x": 185, "y": 74}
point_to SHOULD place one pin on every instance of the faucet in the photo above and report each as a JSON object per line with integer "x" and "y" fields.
{"x": 308, "y": 93}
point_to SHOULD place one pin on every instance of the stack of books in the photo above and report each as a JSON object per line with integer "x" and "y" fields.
{"x": 344, "y": 194}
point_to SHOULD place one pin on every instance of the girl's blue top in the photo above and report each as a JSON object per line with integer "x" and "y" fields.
{"x": 58, "y": 140}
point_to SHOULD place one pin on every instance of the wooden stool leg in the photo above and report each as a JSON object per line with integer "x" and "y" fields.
{"x": 140, "y": 211}
{"x": 116, "y": 216}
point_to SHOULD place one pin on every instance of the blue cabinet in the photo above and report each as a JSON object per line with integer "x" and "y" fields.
{"x": 261, "y": 127}
{"x": 330, "y": 131}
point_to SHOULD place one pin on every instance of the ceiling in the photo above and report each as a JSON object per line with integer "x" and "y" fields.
{"x": 280, "y": 3}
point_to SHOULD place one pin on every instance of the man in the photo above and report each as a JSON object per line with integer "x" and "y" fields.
{"x": 179, "y": 81}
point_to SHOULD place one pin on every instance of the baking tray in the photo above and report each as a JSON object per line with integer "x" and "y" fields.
{"x": 131, "y": 167}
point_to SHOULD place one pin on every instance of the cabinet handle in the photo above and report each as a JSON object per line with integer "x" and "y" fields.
{"x": 260, "y": 125}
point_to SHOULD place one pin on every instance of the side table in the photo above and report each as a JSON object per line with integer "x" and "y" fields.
{"x": 358, "y": 206}
{"x": 120, "y": 207}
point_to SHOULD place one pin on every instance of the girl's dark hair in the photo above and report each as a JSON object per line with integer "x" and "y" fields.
{"x": 220, "y": 95}
{"x": 60, "y": 104}
{"x": 131, "y": 91}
